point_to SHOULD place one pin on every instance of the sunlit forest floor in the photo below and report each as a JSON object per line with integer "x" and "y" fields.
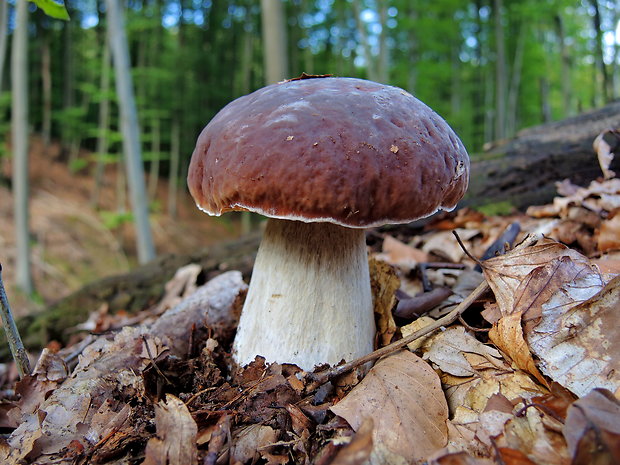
{"x": 74, "y": 243}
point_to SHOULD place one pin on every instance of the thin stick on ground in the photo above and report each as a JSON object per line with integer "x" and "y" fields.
{"x": 328, "y": 375}
{"x": 332, "y": 373}
{"x": 12, "y": 334}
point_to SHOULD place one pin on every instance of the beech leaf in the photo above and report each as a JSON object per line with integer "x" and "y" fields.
{"x": 403, "y": 396}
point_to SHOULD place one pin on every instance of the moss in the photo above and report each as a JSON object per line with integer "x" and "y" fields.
{"x": 501, "y": 208}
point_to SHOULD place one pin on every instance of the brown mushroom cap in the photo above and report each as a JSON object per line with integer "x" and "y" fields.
{"x": 341, "y": 150}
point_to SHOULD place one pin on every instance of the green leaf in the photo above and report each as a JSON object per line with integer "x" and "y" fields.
{"x": 53, "y": 9}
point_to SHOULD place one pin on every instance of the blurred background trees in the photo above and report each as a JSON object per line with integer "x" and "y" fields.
{"x": 489, "y": 67}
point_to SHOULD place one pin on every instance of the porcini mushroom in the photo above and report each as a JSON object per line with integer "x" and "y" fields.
{"x": 323, "y": 158}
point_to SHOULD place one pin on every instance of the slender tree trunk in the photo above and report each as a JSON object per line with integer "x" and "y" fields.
{"x": 274, "y": 39}
{"x": 155, "y": 154}
{"x": 175, "y": 144}
{"x": 130, "y": 130}
{"x": 19, "y": 83}
{"x": 500, "y": 72}
{"x": 4, "y": 13}
{"x": 600, "y": 62}
{"x": 104, "y": 123}
{"x": 515, "y": 82}
{"x": 567, "y": 96}
{"x": 363, "y": 34}
{"x": 46, "y": 80}
{"x": 68, "y": 92}
{"x": 455, "y": 91}
{"x": 383, "y": 63}
{"x": 545, "y": 104}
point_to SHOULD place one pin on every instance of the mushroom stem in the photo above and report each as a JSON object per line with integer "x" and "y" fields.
{"x": 309, "y": 300}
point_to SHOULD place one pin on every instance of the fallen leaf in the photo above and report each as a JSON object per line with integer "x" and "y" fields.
{"x": 249, "y": 441}
{"x": 604, "y": 144}
{"x": 448, "y": 347}
{"x": 384, "y": 282}
{"x": 609, "y": 234}
{"x": 358, "y": 451}
{"x": 459, "y": 458}
{"x": 443, "y": 244}
{"x": 175, "y": 443}
{"x": 592, "y": 429}
{"x": 578, "y": 338}
{"x": 399, "y": 254}
{"x": 403, "y": 396}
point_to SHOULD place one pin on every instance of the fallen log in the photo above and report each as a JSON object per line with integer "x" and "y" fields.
{"x": 522, "y": 171}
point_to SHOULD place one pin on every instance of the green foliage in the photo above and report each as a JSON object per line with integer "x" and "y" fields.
{"x": 497, "y": 208}
{"x": 53, "y": 9}
{"x": 114, "y": 219}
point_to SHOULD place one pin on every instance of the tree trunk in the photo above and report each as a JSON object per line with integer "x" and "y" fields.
{"x": 104, "y": 123}
{"x": 274, "y": 39}
{"x": 4, "y": 14}
{"x": 600, "y": 52}
{"x": 19, "y": 83}
{"x": 68, "y": 92}
{"x": 500, "y": 72}
{"x": 565, "y": 67}
{"x": 155, "y": 154}
{"x": 130, "y": 130}
{"x": 515, "y": 83}
{"x": 383, "y": 63}
{"x": 175, "y": 144}
{"x": 46, "y": 80}
{"x": 371, "y": 69}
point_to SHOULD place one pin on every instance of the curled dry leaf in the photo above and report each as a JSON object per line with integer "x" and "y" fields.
{"x": 592, "y": 429}
{"x": 578, "y": 339}
{"x": 399, "y": 254}
{"x": 605, "y": 144}
{"x": 175, "y": 442}
{"x": 403, "y": 396}
{"x": 250, "y": 441}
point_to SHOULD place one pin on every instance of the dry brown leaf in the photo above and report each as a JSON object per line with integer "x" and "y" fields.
{"x": 507, "y": 273}
{"x": 175, "y": 443}
{"x": 459, "y": 458}
{"x": 402, "y": 255}
{"x": 604, "y": 151}
{"x": 403, "y": 396}
{"x": 447, "y": 349}
{"x": 592, "y": 429}
{"x": 414, "y": 326}
{"x": 357, "y": 452}
{"x": 578, "y": 338}
{"x": 443, "y": 244}
{"x": 609, "y": 234}
{"x": 249, "y": 441}
{"x": 507, "y": 334}
{"x": 384, "y": 282}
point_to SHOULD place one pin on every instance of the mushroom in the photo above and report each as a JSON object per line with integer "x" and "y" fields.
{"x": 323, "y": 158}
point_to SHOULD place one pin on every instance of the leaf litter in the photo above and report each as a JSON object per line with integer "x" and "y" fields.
{"x": 528, "y": 375}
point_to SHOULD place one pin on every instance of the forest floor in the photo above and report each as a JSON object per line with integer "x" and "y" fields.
{"x": 496, "y": 347}
{"x": 74, "y": 243}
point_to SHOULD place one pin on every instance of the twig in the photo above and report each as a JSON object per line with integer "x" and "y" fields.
{"x": 327, "y": 375}
{"x": 12, "y": 334}
{"x": 332, "y": 373}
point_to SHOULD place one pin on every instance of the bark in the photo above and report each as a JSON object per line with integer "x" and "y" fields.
{"x": 274, "y": 39}
{"x": 130, "y": 130}
{"x": 383, "y": 62}
{"x": 19, "y": 83}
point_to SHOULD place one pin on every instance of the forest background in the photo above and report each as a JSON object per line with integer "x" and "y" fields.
{"x": 489, "y": 67}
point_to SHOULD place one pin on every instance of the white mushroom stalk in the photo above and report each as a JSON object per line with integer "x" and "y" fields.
{"x": 309, "y": 300}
